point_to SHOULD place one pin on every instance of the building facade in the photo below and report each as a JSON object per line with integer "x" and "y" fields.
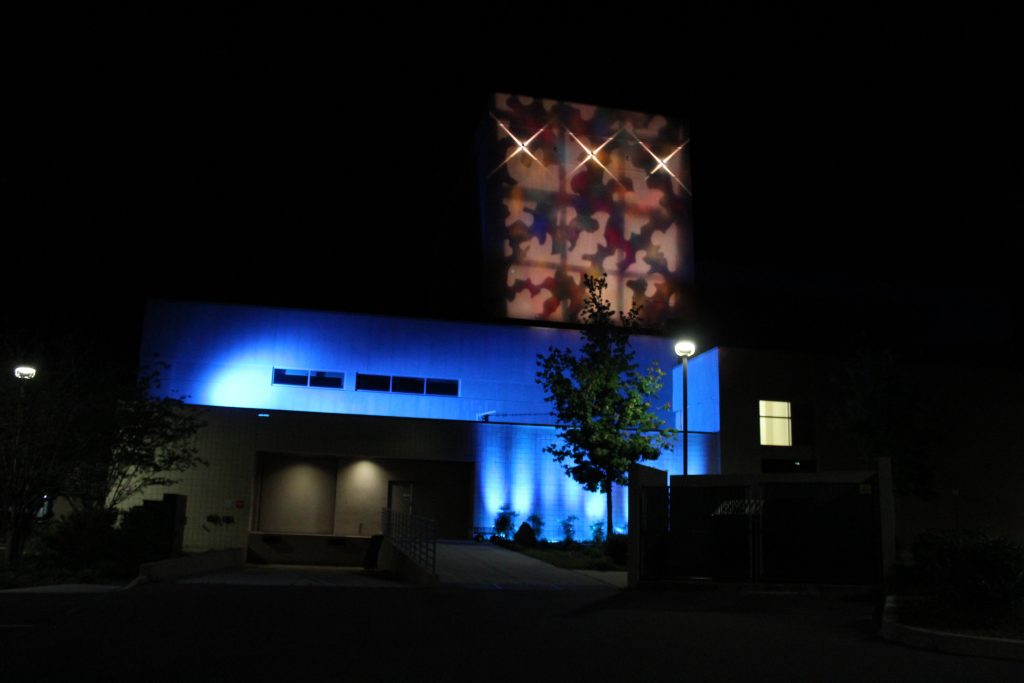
{"x": 316, "y": 421}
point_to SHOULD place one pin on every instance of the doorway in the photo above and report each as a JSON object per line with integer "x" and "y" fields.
{"x": 296, "y": 495}
{"x": 400, "y": 496}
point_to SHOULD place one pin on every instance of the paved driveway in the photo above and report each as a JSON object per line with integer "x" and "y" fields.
{"x": 459, "y": 563}
{"x": 485, "y": 565}
{"x": 210, "y": 632}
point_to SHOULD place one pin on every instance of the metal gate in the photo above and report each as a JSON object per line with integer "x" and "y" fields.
{"x": 811, "y": 529}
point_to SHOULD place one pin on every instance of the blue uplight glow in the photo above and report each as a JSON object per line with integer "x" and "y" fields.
{"x": 513, "y": 470}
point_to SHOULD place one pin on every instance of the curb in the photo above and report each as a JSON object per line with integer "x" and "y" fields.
{"x": 136, "y": 582}
{"x": 945, "y": 641}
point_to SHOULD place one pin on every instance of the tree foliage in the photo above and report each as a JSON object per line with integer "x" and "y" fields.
{"x": 82, "y": 429}
{"x": 601, "y": 399}
{"x": 38, "y": 422}
{"x": 151, "y": 441}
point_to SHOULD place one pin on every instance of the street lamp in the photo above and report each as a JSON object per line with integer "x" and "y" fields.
{"x": 685, "y": 349}
{"x": 24, "y": 372}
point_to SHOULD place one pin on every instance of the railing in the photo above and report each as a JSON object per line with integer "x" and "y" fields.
{"x": 414, "y": 536}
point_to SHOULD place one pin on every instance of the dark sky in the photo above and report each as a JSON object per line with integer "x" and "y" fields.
{"x": 327, "y": 161}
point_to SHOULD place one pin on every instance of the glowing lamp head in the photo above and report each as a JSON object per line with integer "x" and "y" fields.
{"x": 685, "y": 349}
{"x": 24, "y": 372}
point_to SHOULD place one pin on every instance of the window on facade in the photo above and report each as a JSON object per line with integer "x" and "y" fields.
{"x": 372, "y": 382}
{"x": 776, "y": 423}
{"x": 443, "y": 387}
{"x": 328, "y": 380}
{"x": 407, "y": 385}
{"x": 296, "y": 378}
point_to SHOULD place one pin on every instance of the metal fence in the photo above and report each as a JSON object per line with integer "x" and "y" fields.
{"x": 414, "y": 536}
{"x": 767, "y": 529}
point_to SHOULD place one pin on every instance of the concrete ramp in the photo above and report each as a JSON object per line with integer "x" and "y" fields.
{"x": 486, "y": 565}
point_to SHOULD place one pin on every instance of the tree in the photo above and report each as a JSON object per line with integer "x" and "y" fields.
{"x": 601, "y": 399}
{"x": 40, "y": 429}
{"x": 151, "y": 440}
{"x": 35, "y": 416}
{"x": 83, "y": 429}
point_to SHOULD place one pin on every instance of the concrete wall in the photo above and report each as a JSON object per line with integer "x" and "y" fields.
{"x": 296, "y": 495}
{"x": 302, "y": 549}
{"x": 470, "y": 470}
{"x": 639, "y": 477}
{"x": 812, "y": 386}
{"x": 344, "y": 497}
{"x": 442, "y": 491}
{"x": 222, "y": 489}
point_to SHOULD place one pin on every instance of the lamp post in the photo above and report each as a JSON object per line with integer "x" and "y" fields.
{"x": 23, "y": 372}
{"x": 14, "y": 536}
{"x": 685, "y": 349}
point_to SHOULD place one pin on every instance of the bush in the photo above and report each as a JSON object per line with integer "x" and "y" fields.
{"x": 536, "y": 523}
{"x": 597, "y": 532}
{"x": 976, "y": 575}
{"x": 569, "y": 529}
{"x": 505, "y": 522}
{"x": 83, "y": 541}
{"x": 95, "y": 544}
{"x": 525, "y": 535}
{"x": 618, "y": 548}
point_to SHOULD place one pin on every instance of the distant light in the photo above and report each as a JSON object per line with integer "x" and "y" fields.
{"x": 685, "y": 348}
{"x": 262, "y": 414}
{"x": 24, "y": 372}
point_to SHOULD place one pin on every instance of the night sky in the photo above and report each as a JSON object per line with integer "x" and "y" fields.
{"x": 328, "y": 162}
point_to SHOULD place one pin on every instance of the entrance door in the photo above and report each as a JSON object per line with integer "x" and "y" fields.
{"x": 400, "y": 496}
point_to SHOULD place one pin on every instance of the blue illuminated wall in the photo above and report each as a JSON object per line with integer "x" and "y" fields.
{"x": 513, "y": 471}
{"x": 703, "y": 394}
{"x": 225, "y": 356}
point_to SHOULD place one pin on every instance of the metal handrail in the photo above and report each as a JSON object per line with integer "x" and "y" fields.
{"x": 414, "y": 536}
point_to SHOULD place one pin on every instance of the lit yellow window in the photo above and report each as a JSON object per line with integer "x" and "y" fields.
{"x": 776, "y": 423}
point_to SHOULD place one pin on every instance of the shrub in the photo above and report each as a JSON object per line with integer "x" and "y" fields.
{"x": 536, "y": 523}
{"x": 525, "y": 535}
{"x": 95, "y": 544}
{"x": 81, "y": 546}
{"x": 569, "y": 528}
{"x": 618, "y": 548}
{"x": 505, "y": 522}
{"x": 978, "y": 576}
